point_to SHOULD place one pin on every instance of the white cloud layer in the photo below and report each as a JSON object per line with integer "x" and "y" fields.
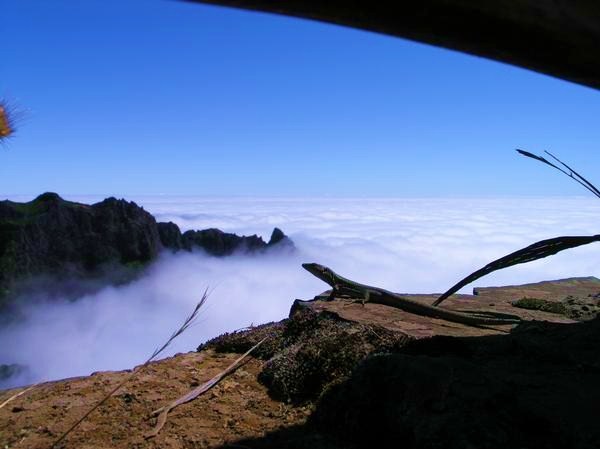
{"x": 405, "y": 245}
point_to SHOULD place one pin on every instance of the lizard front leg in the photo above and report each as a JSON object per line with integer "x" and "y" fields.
{"x": 366, "y": 297}
{"x": 333, "y": 293}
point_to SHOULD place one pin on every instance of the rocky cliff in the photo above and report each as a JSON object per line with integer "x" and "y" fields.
{"x": 52, "y": 237}
{"x": 218, "y": 243}
{"x": 55, "y": 237}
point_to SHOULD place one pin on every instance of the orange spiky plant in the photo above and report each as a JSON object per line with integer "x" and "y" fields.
{"x": 8, "y": 115}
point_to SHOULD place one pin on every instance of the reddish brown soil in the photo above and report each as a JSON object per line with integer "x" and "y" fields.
{"x": 238, "y": 407}
{"x": 490, "y": 299}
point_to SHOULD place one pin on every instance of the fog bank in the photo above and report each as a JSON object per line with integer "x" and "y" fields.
{"x": 405, "y": 245}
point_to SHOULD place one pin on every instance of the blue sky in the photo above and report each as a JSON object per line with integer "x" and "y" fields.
{"x": 163, "y": 97}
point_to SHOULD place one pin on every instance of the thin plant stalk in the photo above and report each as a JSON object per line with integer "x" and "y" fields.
{"x": 187, "y": 323}
{"x": 190, "y": 396}
{"x": 538, "y": 250}
{"x": 571, "y": 173}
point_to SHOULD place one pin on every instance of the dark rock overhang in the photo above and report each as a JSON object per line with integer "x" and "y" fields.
{"x": 555, "y": 37}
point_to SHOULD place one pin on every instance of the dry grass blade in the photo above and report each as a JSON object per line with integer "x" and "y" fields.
{"x": 187, "y": 323}
{"x": 571, "y": 173}
{"x": 536, "y": 157}
{"x": 586, "y": 183}
{"x": 538, "y": 250}
{"x": 190, "y": 396}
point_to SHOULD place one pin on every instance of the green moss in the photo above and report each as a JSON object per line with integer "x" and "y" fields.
{"x": 309, "y": 351}
{"x": 4, "y": 297}
{"x": 27, "y": 212}
{"x": 136, "y": 265}
{"x": 8, "y": 260}
{"x": 242, "y": 341}
{"x": 540, "y": 304}
{"x": 31, "y": 208}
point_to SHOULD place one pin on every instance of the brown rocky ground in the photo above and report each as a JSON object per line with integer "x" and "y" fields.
{"x": 238, "y": 407}
{"x": 340, "y": 374}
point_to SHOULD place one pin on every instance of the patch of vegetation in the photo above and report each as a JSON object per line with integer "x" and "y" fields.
{"x": 8, "y": 265}
{"x": 540, "y": 304}
{"x": 31, "y": 208}
{"x": 136, "y": 265}
{"x": 581, "y": 309}
{"x": 241, "y": 341}
{"x": 309, "y": 351}
{"x": 27, "y": 213}
{"x": 573, "y": 307}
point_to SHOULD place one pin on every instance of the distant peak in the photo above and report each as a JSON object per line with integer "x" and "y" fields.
{"x": 276, "y": 236}
{"x": 48, "y": 196}
{"x": 280, "y": 239}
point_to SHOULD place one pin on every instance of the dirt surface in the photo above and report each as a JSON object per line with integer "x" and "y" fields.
{"x": 238, "y": 407}
{"x": 489, "y": 299}
{"x": 240, "y": 411}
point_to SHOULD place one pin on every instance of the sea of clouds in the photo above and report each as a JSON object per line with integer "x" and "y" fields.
{"x": 406, "y": 245}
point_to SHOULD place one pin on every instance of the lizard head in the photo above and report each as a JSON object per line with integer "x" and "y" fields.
{"x": 317, "y": 270}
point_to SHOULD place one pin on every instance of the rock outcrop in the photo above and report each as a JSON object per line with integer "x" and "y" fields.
{"x": 218, "y": 243}
{"x": 338, "y": 374}
{"x": 50, "y": 237}
{"x": 170, "y": 235}
{"x": 379, "y": 376}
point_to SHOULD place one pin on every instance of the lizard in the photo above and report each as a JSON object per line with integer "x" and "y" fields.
{"x": 341, "y": 285}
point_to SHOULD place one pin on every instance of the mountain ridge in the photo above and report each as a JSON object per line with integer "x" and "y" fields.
{"x": 67, "y": 240}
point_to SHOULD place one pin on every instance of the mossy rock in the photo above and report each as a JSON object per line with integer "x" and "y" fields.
{"x": 573, "y": 307}
{"x": 309, "y": 351}
{"x": 540, "y": 304}
{"x": 241, "y": 341}
{"x": 582, "y": 309}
